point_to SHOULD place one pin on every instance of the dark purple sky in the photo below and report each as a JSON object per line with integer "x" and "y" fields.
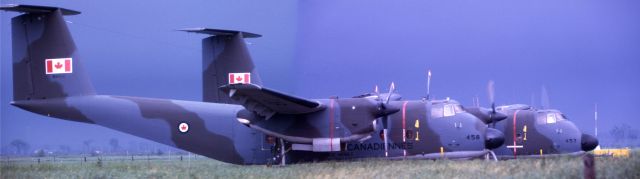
{"x": 583, "y": 51}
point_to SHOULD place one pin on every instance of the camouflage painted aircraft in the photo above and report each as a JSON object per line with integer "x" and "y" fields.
{"x": 533, "y": 133}
{"x": 238, "y": 121}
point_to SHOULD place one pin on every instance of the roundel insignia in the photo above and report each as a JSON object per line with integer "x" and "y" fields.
{"x": 183, "y": 127}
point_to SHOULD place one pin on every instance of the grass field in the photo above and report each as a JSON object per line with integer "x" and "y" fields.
{"x": 201, "y": 167}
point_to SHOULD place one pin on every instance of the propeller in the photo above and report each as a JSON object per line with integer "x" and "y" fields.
{"x": 488, "y": 116}
{"x": 385, "y": 109}
{"x": 494, "y": 116}
{"x": 493, "y": 137}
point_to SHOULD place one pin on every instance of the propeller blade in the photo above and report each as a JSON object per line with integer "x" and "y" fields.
{"x": 491, "y": 92}
{"x": 596, "y": 119}
{"x": 385, "y": 120}
{"x": 391, "y": 90}
{"x": 385, "y": 110}
{"x": 384, "y": 131}
{"x": 494, "y": 116}
{"x": 428, "y": 83}
{"x": 544, "y": 98}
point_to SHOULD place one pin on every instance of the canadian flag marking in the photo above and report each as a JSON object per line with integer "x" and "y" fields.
{"x": 58, "y": 66}
{"x": 239, "y": 78}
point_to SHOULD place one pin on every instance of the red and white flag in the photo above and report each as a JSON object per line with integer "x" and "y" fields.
{"x": 239, "y": 78}
{"x": 58, "y": 65}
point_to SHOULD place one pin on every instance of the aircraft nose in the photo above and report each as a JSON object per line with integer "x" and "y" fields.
{"x": 493, "y": 139}
{"x": 588, "y": 142}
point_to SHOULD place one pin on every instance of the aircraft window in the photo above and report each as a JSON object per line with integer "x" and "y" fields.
{"x": 551, "y": 118}
{"x": 459, "y": 108}
{"x": 436, "y": 111}
{"x": 449, "y": 110}
{"x": 542, "y": 118}
{"x": 560, "y": 117}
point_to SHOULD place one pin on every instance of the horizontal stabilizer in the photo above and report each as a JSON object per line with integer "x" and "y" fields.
{"x": 266, "y": 102}
{"x": 36, "y": 9}
{"x": 220, "y": 32}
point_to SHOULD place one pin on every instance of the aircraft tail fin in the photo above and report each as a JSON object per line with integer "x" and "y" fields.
{"x": 45, "y": 59}
{"x": 224, "y": 54}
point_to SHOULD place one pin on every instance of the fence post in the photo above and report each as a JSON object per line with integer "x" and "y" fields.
{"x": 589, "y": 166}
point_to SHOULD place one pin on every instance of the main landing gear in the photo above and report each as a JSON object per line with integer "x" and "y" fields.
{"x": 279, "y": 152}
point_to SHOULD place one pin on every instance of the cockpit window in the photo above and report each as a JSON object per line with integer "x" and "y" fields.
{"x": 436, "y": 111}
{"x": 445, "y": 110}
{"x": 458, "y": 108}
{"x": 551, "y": 118}
{"x": 449, "y": 110}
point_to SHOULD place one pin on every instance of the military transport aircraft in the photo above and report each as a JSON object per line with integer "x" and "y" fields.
{"x": 238, "y": 121}
{"x": 533, "y": 133}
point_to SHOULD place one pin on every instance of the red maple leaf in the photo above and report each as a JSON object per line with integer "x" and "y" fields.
{"x": 184, "y": 127}
{"x": 58, "y": 65}
{"x": 239, "y": 78}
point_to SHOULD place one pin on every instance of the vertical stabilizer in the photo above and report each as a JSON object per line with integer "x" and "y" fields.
{"x": 224, "y": 53}
{"x": 45, "y": 59}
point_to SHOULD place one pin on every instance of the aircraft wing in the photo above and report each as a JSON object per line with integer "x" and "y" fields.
{"x": 267, "y": 102}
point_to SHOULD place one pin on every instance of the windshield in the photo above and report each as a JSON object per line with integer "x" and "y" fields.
{"x": 446, "y": 110}
{"x": 550, "y": 117}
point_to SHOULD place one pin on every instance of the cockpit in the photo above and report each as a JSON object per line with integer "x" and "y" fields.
{"x": 445, "y": 108}
{"x": 550, "y": 117}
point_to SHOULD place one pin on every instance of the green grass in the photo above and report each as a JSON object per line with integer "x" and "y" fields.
{"x": 200, "y": 167}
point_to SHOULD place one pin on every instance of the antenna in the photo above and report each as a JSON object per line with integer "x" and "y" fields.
{"x": 428, "y": 83}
